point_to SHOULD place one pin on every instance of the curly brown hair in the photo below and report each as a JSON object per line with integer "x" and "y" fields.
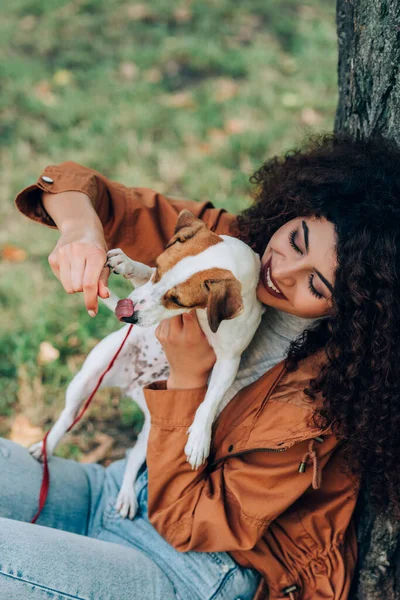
{"x": 355, "y": 184}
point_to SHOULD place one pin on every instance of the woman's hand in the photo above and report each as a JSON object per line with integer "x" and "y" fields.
{"x": 190, "y": 356}
{"x": 80, "y": 254}
{"x": 78, "y": 262}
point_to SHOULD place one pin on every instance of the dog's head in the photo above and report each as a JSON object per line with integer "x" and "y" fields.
{"x": 191, "y": 273}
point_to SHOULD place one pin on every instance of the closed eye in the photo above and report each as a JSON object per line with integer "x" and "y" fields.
{"x": 175, "y": 300}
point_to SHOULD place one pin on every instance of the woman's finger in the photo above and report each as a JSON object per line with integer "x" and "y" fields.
{"x": 54, "y": 266}
{"x": 103, "y": 290}
{"x": 176, "y": 326}
{"x": 65, "y": 275}
{"x": 162, "y": 329}
{"x": 93, "y": 268}
{"x": 77, "y": 271}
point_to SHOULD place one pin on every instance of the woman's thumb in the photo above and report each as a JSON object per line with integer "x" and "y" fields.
{"x": 103, "y": 290}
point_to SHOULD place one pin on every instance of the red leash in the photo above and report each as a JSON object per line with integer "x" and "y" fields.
{"x": 44, "y": 490}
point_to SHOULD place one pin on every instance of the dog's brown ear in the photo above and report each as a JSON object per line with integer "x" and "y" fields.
{"x": 186, "y": 227}
{"x": 224, "y": 300}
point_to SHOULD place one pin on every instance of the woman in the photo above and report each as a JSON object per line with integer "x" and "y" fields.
{"x": 272, "y": 509}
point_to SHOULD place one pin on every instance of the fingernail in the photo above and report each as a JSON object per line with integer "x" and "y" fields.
{"x": 92, "y": 313}
{"x": 108, "y": 292}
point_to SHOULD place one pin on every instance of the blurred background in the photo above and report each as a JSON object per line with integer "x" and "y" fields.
{"x": 187, "y": 97}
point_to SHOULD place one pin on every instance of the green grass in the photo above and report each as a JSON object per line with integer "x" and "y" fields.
{"x": 186, "y": 98}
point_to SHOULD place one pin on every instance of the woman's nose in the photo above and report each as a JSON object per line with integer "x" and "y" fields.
{"x": 285, "y": 273}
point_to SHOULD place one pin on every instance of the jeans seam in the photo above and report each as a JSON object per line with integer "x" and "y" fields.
{"x": 223, "y": 582}
{"x": 42, "y": 587}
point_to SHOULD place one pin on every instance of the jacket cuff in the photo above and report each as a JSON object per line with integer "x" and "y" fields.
{"x": 172, "y": 408}
{"x": 54, "y": 179}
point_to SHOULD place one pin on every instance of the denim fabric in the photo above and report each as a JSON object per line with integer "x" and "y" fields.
{"x": 82, "y": 549}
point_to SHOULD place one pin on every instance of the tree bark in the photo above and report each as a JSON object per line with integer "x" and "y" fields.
{"x": 369, "y": 103}
{"x": 369, "y": 62}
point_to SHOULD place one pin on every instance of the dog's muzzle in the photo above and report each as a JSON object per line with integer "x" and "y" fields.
{"x": 125, "y": 311}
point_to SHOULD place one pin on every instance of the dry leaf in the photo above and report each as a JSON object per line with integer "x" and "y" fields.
{"x": 225, "y": 89}
{"x": 137, "y": 12}
{"x": 24, "y": 433}
{"x": 183, "y": 14}
{"x": 47, "y": 353}
{"x": 62, "y": 77}
{"x": 234, "y": 126}
{"x": 13, "y": 254}
{"x": 179, "y": 100}
{"x": 309, "y": 116}
{"x": 128, "y": 70}
{"x": 28, "y": 23}
{"x": 105, "y": 444}
{"x": 217, "y": 137}
{"x": 152, "y": 75}
{"x": 43, "y": 92}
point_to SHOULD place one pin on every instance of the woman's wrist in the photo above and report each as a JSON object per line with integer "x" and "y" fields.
{"x": 72, "y": 211}
{"x": 179, "y": 382}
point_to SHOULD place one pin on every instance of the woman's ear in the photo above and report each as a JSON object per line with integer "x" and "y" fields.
{"x": 224, "y": 301}
{"x": 186, "y": 227}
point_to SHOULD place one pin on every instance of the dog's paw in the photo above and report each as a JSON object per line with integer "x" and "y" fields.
{"x": 197, "y": 447}
{"x": 119, "y": 262}
{"x": 126, "y": 503}
{"x": 36, "y": 450}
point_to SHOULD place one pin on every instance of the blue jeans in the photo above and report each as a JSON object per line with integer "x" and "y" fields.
{"x": 82, "y": 549}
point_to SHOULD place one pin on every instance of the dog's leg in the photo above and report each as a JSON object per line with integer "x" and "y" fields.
{"x": 126, "y": 503}
{"x": 223, "y": 375}
{"x": 121, "y": 264}
{"x": 85, "y": 381}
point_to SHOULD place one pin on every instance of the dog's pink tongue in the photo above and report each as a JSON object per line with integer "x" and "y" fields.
{"x": 124, "y": 308}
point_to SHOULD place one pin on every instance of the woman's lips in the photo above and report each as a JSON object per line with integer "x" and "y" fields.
{"x": 266, "y": 284}
{"x": 124, "y": 308}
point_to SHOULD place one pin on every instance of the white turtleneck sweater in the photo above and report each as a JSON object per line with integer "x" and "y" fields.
{"x": 268, "y": 347}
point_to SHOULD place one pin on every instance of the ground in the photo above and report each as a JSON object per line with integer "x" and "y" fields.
{"x": 187, "y": 98}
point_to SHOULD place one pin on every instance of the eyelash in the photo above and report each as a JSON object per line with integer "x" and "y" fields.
{"x": 312, "y": 289}
{"x": 175, "y": 300}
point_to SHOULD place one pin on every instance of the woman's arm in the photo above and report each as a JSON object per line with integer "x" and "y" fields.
{"x": 90, "y": 209}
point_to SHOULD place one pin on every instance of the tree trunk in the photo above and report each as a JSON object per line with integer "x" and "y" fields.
{"x": 369, "y": 102}
{"x": 369, "y": 61}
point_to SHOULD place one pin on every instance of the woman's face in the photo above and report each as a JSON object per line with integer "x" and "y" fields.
{"x": 297, "y": 268}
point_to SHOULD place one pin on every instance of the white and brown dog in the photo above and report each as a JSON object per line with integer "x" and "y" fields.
{"x": 215, "y": 274}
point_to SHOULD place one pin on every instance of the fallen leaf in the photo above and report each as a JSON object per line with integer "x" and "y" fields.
{"x": 225, "y": 89}
{"x": 179, "y": 100}
{"x": 47, "y": 353}
{"x": 309, "y": 116}
{"x": 43, "y": 92}
{"x": 183, "y": 14}
{"x": 28, "y": 22}
{"x": 105, "y": 444}
{"x": 128, "y": 70}
{"x": 152, "y": 75}
{"x": 13, "y": 254}
{"x": 217, "y": 137}
{"x": 24, "y": 433}
{"x": 234, "y": 126}
{"x": 62, "y": 77}
{"x": 138, "y": 12}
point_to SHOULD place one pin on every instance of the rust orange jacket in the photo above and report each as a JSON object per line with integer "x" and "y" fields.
{"x": 250, "y": 499}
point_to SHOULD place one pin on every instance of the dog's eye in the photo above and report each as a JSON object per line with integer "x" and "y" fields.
{"x": 175, "y": 300}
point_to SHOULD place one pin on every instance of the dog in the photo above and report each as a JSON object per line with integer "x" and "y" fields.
{"x": 216, "y": 275}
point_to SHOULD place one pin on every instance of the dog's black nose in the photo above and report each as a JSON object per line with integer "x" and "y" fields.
{"x": 132, "y": 319}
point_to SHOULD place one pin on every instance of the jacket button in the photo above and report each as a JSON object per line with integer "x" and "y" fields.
{"x": 230, "y": 448}
{"x": 47, "y": 179}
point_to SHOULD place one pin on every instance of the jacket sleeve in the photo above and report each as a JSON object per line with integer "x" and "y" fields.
{"x": 229, "y": 507}
{"x": 138, "y": 220}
